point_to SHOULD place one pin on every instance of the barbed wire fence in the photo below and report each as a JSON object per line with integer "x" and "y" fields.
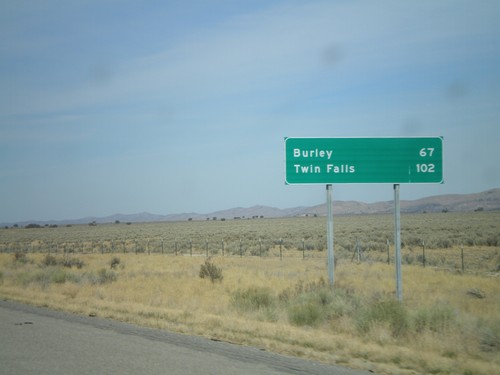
{"x": 357, "y": 251}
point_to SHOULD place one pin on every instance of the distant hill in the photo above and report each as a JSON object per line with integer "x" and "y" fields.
{"x": 486, "y": 201}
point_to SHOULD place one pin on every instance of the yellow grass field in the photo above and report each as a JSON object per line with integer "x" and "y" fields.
{"x": 448, "y": 323}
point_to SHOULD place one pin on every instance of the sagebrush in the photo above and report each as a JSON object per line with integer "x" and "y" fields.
{"x": 211, "y": 271}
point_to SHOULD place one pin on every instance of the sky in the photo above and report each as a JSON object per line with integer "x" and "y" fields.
{"x": 167, "y": 107}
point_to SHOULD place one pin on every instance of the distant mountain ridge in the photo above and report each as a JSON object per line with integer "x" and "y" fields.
{"x": 485, "y": 201}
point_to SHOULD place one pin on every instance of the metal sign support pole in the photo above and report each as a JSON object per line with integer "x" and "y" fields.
{"x": 397, "y": 243}
{"x": 329, "y": 230}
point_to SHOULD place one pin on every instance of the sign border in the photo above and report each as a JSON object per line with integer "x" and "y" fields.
{"x": 363, "y": 183}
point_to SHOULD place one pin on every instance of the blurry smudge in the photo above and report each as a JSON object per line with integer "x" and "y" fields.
{"x": 331, "y": 55}
{"x": 411, "y": 126}
{"x": 100, "y": 75}
{"x": 165, "y": 115}
{"x": 456, "y": 90}
{"x": 490, "y": 176}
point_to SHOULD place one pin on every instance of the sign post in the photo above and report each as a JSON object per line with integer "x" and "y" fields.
{"x": 397, "y": 243}
{"x": 364, "y": 160}
{"x": 329, "y": 231}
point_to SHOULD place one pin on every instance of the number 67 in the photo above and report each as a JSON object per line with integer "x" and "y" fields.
{"x": 426, "y": 151}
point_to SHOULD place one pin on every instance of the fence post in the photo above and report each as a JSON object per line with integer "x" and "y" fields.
{"x": 260, "y": 247}
{"x": 303, "y": 248}
{"x": 162, "y": 246}
{"x": 222, "y": 246}
{"x": 423, "y": 253}
{"x": 281, "y": 253}
{"x": 241, "y": 249}
{"x": 388, "y": 252}
{"x": 355, "y": 251}
{"x": 462, "y": 250}
{"x": 206, "y": 246}
{"x": 191, "y": 247}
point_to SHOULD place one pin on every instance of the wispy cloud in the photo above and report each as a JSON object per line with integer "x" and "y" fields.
{"x": 280, "y": 48}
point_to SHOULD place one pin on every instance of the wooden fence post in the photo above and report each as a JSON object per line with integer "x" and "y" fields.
{"x": 423, "y": 253}
{"x": 388, "y": 252}
{"x": 463, "y": 265}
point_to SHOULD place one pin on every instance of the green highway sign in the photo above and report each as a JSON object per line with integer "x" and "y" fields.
{"x": 363, "y": 160}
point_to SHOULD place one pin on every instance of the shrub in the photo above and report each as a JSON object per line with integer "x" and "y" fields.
{"x": 489, "y": 336}
{"x": 253, "y": 298}
{"x": 46, "y": 276}
{"x": 211, "y": 271}
{"x": 385, "y": 311}
{"x": 105, "y": 276}
{"x": 307, "y": 313}
{"x": 102, "y": 276}
{"x": 33, "y": 226}
{"x": 437, "y": 318}
{"x": 310, "y": 304}
{"x": 20, "y": 257}
{"x": 444, "y": 243}
{"x": 115, "y": 262}
{"x": 492, "y": 240}
{"x": 49, "y": 260}
{"x": 73, "y": 262}
{"x": 42, "y": 278}
{"x": 58, "y": 276}
{"x": 408, "y": 259}
{"x": 343, "y": 303}
{"x": 302, "y": 288}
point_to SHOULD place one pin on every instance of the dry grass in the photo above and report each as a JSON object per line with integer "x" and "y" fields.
{"x": 448, "y": 323}
{"x": 443, "y": 327}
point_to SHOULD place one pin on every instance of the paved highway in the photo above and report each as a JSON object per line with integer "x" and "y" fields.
{"x": 41, "y": 341}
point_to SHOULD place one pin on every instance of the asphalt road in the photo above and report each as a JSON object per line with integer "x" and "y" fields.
{"x": 41, "y": 341}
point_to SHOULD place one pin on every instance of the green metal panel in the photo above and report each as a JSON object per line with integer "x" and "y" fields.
{"x": 363, "y": 160}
